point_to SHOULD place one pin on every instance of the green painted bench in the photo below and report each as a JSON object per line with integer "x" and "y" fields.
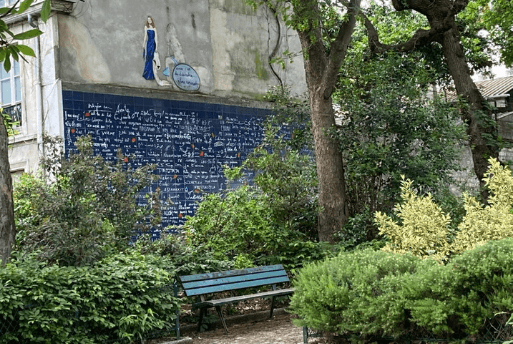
{"x": 215, "y": 282}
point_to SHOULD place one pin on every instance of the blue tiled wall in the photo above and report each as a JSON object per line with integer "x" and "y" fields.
{"x": 189, "y": 142}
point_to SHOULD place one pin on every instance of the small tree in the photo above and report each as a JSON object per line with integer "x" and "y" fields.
{"x": 390, "y": 128}
{"x": 9, "y": 47}
{"x": 88, "y": 211}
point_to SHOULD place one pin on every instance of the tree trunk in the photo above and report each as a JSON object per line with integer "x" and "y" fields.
{"x": 322, "y": 71}
{"x": 330, "y": 169}
{"x": 7, "y": 229}
{"x": 466, "y": 88}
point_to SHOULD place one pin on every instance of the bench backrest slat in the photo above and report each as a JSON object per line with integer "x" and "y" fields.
{"x": 233, "y": 286}
{"x": 234, "y": 279}
{"x": 213, "y": 275}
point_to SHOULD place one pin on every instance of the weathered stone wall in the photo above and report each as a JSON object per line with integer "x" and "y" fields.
{"x": 226, "y": 42}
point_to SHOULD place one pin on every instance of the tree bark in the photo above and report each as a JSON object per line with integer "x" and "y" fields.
{"x": 321, "y": 75}
{"x": 7, "y": 229}
{"x": 466, "y": 88}
{"x": 330, "y": 168}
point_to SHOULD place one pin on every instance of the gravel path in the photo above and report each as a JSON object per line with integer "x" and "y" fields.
{"x": 279, "y": 330}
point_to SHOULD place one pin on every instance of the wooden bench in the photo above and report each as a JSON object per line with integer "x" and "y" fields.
{"x": 202, "y": 284}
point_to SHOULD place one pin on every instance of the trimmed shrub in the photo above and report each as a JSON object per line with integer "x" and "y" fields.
{"x": 472, "y": 287}
{"x": 387, "y": 294}
{"x": 117, "y": 300}
{"x": 354, "y": 292}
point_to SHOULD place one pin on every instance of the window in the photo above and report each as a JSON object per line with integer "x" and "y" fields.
{"x": 4, "y": 3}
{"x": 10, "y": 91}
{"x": 501, "y": 103}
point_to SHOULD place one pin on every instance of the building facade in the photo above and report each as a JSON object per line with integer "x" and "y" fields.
{"x": 178, "y": 83}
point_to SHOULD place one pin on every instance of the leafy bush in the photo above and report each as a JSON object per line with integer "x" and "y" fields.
{"x": 88, "y": 211}
{"x": 382, "y": 293}
{"x": 287, "y": 176}
{"x": 390, "y": 129}
{"x": 425, "y": 230}
{"x": 242, "y": 223}
{"x": 186, "y": 259}
{"x": 357, "y": 230}
{"x": 493, "y": 221}
{"x": 118, "y": 300}
{"x": 353, "y": 292}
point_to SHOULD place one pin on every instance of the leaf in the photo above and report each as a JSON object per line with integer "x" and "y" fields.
{"x": 14, "y": 52}
{"x": 28, "y": 34}
{"x": 46, "y": 10}
{"x": 25, "y": 5}
{"x": 7, "y": 62}
{"x": 25, "y": 50}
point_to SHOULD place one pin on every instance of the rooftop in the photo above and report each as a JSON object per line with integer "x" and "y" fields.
{"x": 495, "y": 88}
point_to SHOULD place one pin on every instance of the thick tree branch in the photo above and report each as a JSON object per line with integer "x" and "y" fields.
{"x": 458, "y": 6}
{"x": 398, "y": 5}
{"x": 339, "y": 48}
{"x": 420, "y": 38}
{"x": 311, "y": 38}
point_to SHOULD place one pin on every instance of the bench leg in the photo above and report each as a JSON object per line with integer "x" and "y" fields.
{"x": 218, "y": 309}
{"x": 305, "y": 335}
{"x": 202, "y": 312}
{"x": 272, "y": 306}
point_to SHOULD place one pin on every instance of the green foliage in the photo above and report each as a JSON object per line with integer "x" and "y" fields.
{"x": 381, "y": 293}
{"x": 356, "y": 230}
{"x": 88, "y": 211}
{"x": 186, "y": 259}
{"x": 390, "y": 129}
{"x": 496, "y": 17}
{"x": 288, "y": 179}
{"x": 423, "y": 229}
{"x": 8, "y": 123}
{"x": 9, "y": 46}
{"x": 353, "y": 292}
{"x": 241, "y": 223}
{"x": 117, "y": 300}
{"x": 458, "y": 297}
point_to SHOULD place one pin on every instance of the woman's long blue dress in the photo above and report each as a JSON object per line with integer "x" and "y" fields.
{"x": 150, "y": 52}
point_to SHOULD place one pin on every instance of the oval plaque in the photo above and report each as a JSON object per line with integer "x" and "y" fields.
{"x": 186, "y": 78}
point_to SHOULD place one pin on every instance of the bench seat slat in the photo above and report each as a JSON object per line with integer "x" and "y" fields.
{"x": 233, "y": 286}
{"x": 233, "y": 279}
{"x": 213, "y": 275}
{"x": 220, "y": 302}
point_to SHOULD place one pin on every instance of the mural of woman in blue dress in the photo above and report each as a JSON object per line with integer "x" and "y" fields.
{"x": 150, "y": 48}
